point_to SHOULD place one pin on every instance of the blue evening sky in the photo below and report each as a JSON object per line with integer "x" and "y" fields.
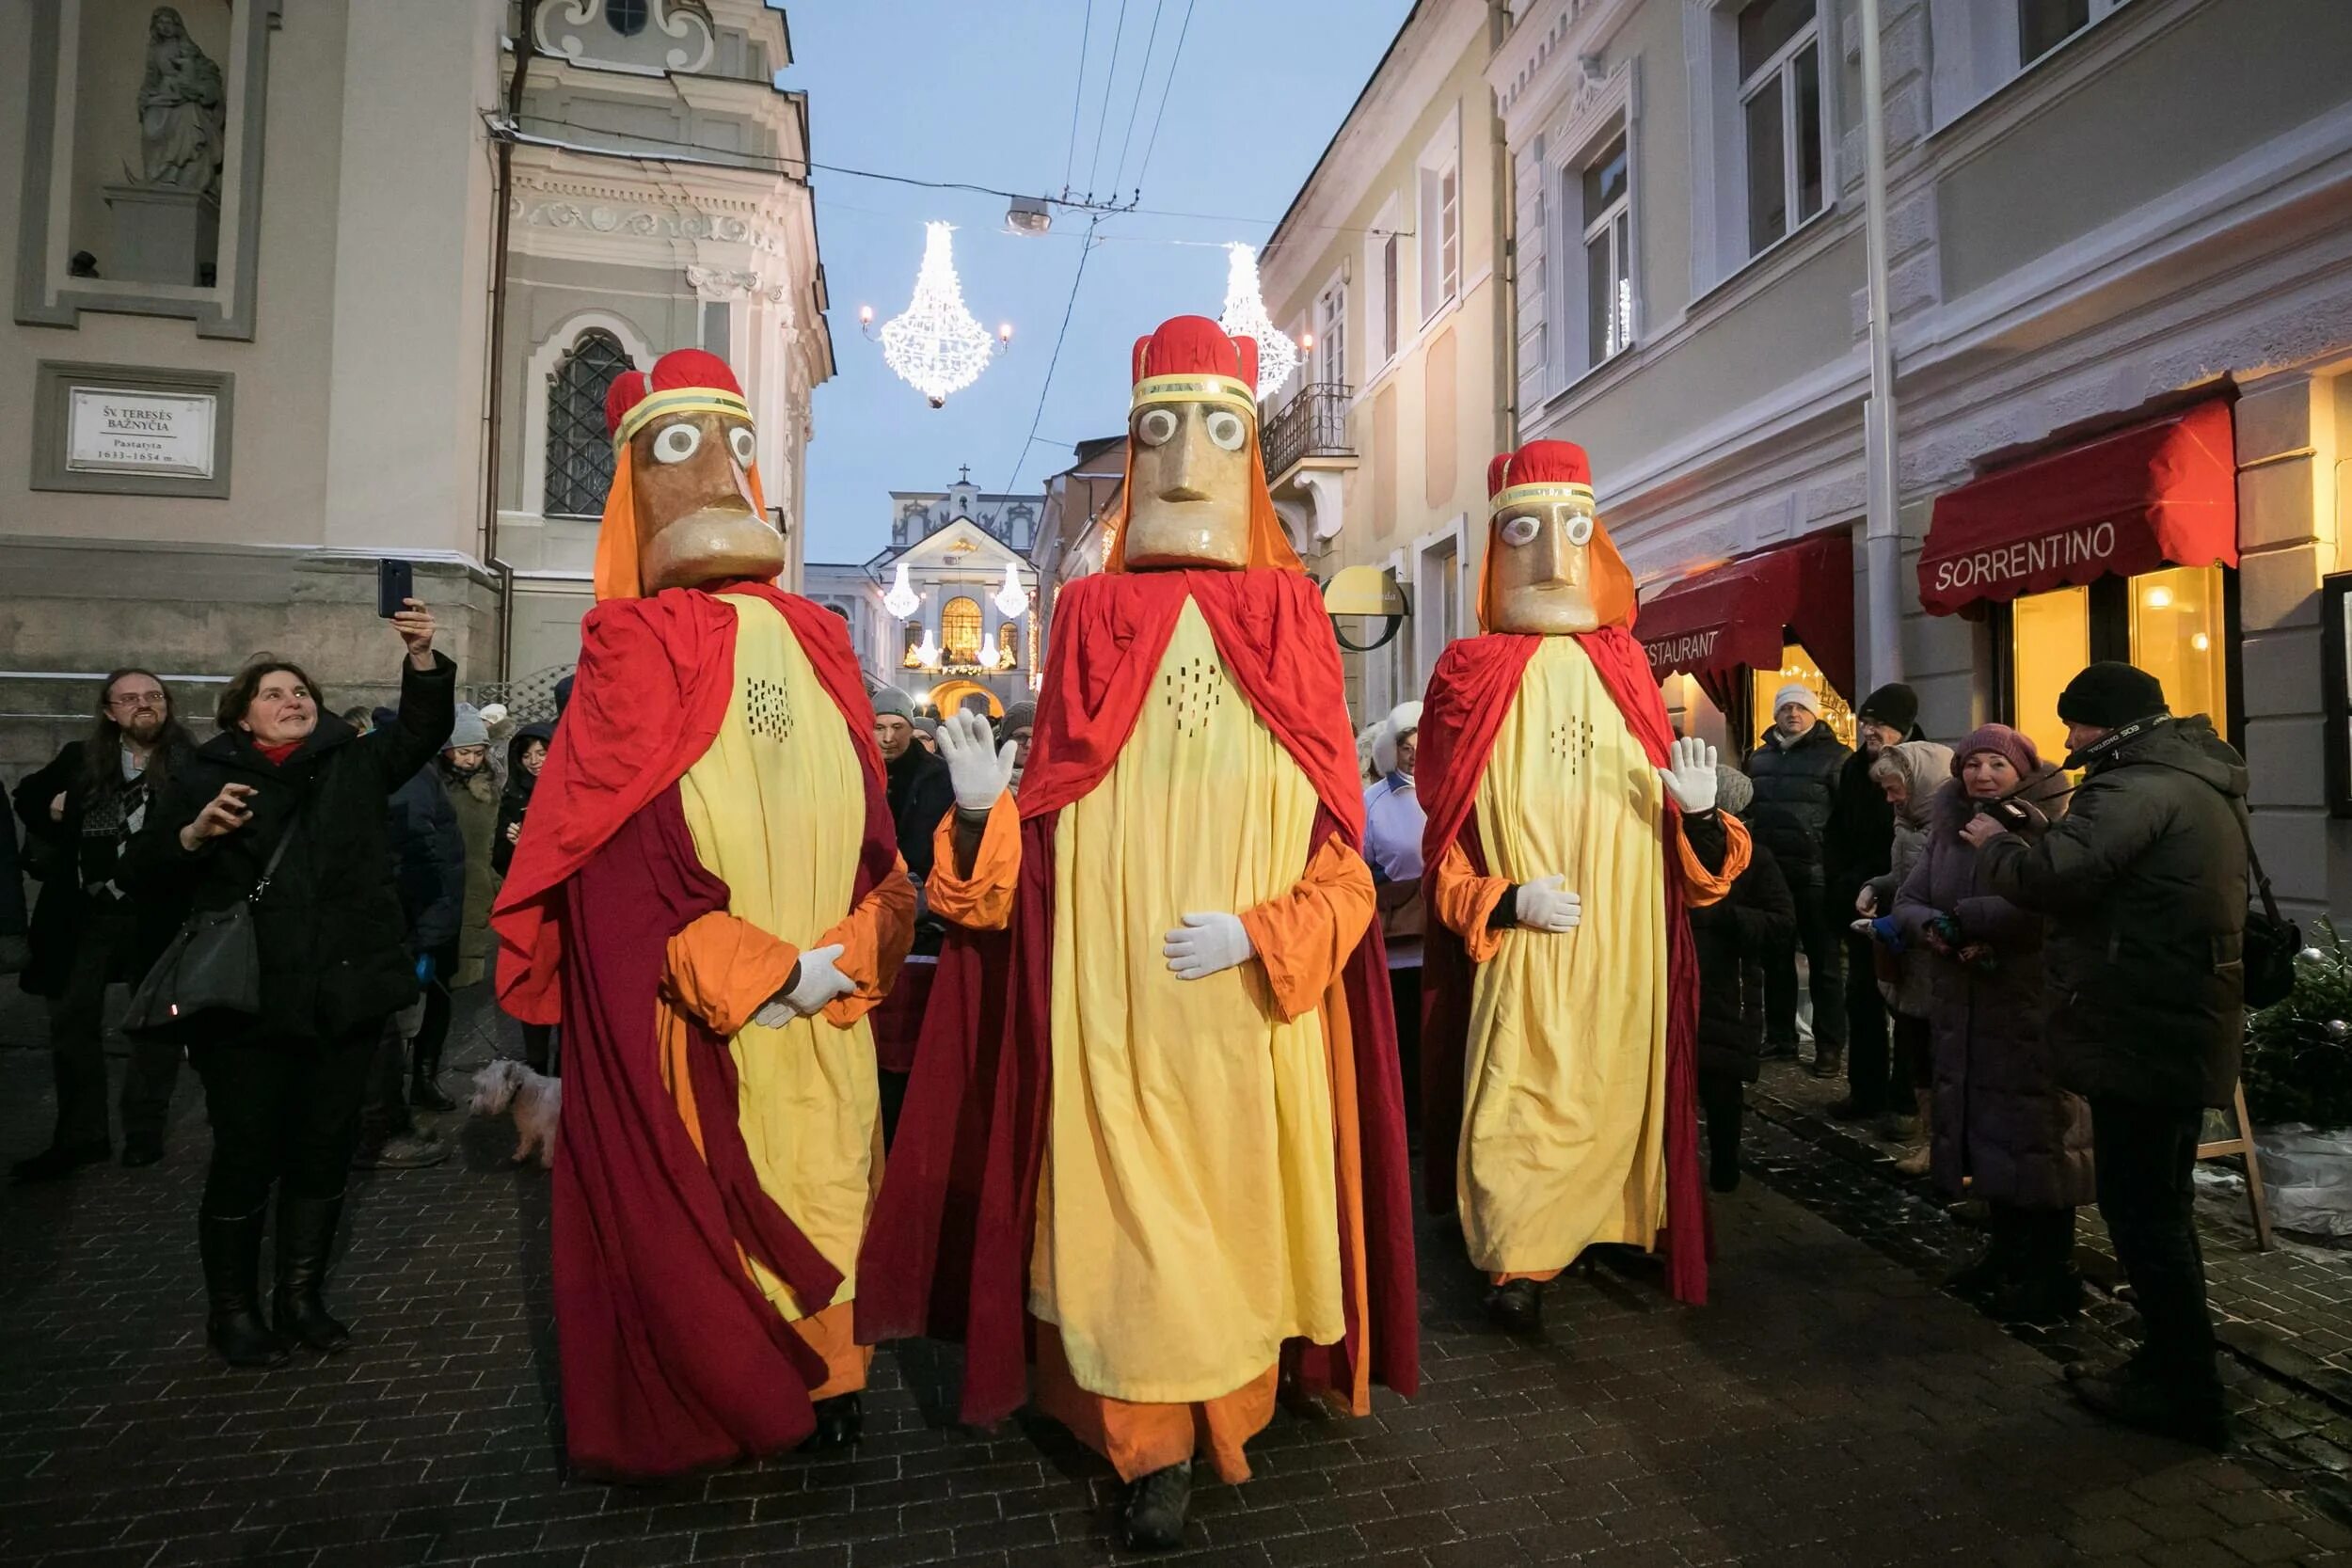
{"x": 947, "y": 89}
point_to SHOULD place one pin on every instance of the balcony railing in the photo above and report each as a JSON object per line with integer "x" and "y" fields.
{"x": 1312, "y": 424}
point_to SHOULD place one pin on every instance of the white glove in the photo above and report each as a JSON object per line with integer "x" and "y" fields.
{"x": 820, "y": 981}
{"x": 1205, "y": 943}
{"x": 981, "y": 770}
{"x": 1544, "y": 904}
{"x": 1689, "y": 774}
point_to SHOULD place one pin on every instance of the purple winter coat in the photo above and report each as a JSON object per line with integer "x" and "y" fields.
{"x": 2000, "y": 1116}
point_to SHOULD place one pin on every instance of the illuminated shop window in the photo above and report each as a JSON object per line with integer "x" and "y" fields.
{"x": 960, "y": 631}
{"x": 2050, "y": 641}
{"x": 2177, "y": 636}
{"x": 1798, "y": 665}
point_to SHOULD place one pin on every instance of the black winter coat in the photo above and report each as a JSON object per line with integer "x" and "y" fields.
{"x": 67, "y": 862}
{"x": 428, "y": 861}
{"x": 1858, "y": 843}
{"x": 1754, "y": 920}
{"x": 2144, "y": 883}
{"x": 1796, "y": 786}
{"x": 520, "y": 782}
{"x": 2003, "y": 1118}
{"x": 921, "y": 793}
{"x": 333, "y": 940}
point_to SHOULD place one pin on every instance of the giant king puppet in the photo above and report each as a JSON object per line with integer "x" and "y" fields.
{"x": 1152, "y": 1156}
{"x": 1567, "y": 832}
{"x": 708, "y": 899}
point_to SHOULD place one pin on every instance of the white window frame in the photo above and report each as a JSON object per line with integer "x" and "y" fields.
{"x": 1438, "y": 254}
{"x": 1332, "y": 331}
{"x": 1430, "y": 605}
{"x": 1719, "y": 166}
{"x": 1611, "y": 227}
{"x": 1978, "y": 46}
{"x": 1779, "y": 74}
{"x": 1384, "y": 330}
{"x": 1593, "y": 121}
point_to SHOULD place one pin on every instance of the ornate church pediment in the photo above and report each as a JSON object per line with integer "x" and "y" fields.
{"x": 649, "y": 37}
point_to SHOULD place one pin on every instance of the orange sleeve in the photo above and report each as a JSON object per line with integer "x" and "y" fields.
{"x": 874, "y": 939}
{"x": 1702, "y": 887}
{"x": 722, "y": 970}
{"x": 983, "y": 901}
{"x": 1466, "y": 901}
{"x": 1304, "y": 937}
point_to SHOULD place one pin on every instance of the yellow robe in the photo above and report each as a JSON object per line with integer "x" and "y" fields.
{"x": 776, "y": 807}
{"x": 1187, "y": 1200}
{"x": 1564, "y": 1124}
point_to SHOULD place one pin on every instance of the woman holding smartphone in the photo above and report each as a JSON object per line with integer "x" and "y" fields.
{"x": 282, "y": 1087}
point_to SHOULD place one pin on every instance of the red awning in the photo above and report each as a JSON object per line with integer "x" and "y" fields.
{"x": 1736, "y": 614}
{"x": 2159, "y": 493}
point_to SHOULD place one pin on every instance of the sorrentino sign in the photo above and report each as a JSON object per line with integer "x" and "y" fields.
{"x": 1998, "y": 564}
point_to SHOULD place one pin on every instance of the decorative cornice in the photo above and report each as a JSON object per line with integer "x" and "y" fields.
{"x": 686, "y": 23}
{"x": 1554, "y": 45}
{"x": 724, "y": 283}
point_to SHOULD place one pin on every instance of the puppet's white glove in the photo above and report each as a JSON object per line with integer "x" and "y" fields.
{"x": 979, "y": 767}
{"x": 1690, "y": 775}
{"x": 1545, "y": 904}
{"x": 820, "y": 981}
{"x": 1205, "y": 943}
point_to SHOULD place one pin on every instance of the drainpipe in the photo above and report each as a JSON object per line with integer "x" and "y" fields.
{"x": 497, "y": 389}
{"x": 1883, "y": 529}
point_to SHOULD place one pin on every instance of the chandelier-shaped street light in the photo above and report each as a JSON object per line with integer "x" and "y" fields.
{"x": 903, "y": 600}
{"x": 926, "y": 651}
{"x": 989, "y": 657}
{"x": 935, "y": 345}
{"x": 1013, "y": 600}
{"x": 1245, "y": 317}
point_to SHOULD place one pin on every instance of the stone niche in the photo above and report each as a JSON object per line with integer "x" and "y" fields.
{"x": 142, "y": 160}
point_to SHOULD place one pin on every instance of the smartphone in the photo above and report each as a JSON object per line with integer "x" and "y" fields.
{"x": 395, "y": 585}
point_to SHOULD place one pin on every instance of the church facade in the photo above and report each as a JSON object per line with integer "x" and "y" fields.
{"x": 270, "y": 325}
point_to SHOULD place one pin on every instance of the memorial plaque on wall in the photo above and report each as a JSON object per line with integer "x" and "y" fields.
{"x": 132, "y": 430}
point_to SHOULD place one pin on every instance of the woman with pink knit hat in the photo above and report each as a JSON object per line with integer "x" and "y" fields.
{"x": 2003, "y": 1127}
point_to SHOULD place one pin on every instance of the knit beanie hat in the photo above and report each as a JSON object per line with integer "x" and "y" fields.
{"x": 1733, "y": 791}
{"x": 1019, "y": 716}
{"x": 2110, "y": 694}
{"x": 891, "y": 699}
{"x": 925, "y": 724}
{"x": 2002, "y": 741}
{"x": 1800, "y": 693}
{"x": 469, "y": 731}
{"x": 1894, "y": 705}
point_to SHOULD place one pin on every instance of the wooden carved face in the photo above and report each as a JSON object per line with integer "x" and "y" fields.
{"x": 698, "y": 520}
{"x": 1188, "y": 486}
{"x": 1539, "y": 569}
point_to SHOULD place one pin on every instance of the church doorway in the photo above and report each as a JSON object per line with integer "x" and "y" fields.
{"x": 950, "y": 696}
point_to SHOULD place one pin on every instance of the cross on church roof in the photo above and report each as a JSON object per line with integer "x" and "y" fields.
{"x": 964, "y": 474}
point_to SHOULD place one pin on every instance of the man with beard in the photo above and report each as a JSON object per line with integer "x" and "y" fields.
{"x": 86, "y": 933}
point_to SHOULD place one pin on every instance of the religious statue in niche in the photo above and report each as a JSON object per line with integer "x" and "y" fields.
{"x": 182, "y": 110}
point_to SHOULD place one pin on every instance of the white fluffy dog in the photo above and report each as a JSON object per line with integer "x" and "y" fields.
{"x": 535, "y": 1100}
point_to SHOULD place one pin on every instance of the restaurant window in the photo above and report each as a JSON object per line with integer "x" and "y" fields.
{"x": 2172, "y": 624}
{"x": 1796, "y": 664}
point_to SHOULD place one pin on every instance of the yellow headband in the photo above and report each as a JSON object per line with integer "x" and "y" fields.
{"x": 1529, "y": 495}
{"x": 683, "y": 400}
{"x": 1203, "y": 387}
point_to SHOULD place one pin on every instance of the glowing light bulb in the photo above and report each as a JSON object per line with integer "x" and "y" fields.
{"x": 2159, "y": 598}
{"x": 2200, "y": 642}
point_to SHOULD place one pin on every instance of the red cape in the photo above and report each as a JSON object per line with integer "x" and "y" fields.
{"x": 672, "y": 1359}
{"x": 1469, "y": 692}
{"x": 948, "y": 1251}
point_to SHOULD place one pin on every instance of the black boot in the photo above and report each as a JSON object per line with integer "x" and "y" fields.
{"x": 2190, "y": 1414}
{"x": 425, "y": 1088}
{"x": 1517, "y": 1307}
{"x": 59, "y": 1159}
{"x": 306, "y": 1237}
{"x": 1152, "y": 1518}
{"x": 231, "y": 1249}
{"x": 840, "y": 1421}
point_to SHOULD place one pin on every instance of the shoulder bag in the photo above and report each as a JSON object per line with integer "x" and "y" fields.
{"x": 214, "y": 965}
{"x": 2271, "y": 940}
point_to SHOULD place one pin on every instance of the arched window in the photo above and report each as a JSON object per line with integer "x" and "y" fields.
{"x": 625, "y": 17}
{"x": 960, "y": 631}
{"x": 579, "y": 454}
{"x": 1009, "y": 643}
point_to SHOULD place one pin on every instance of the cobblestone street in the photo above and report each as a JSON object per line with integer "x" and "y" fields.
{"x": 1829, "y": 1407}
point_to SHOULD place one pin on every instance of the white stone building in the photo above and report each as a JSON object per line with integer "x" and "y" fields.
{"x": 2122, "y": 290}
{"x": 235, "y": 397}
{"x": 963, "y": 555}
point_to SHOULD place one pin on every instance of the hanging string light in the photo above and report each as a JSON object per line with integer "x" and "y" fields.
{"x": 903, "y": 600}
{"x": 1245, "y": 317}
{"x": 935, "y": 345}
{"x": 1012, "y": 599}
